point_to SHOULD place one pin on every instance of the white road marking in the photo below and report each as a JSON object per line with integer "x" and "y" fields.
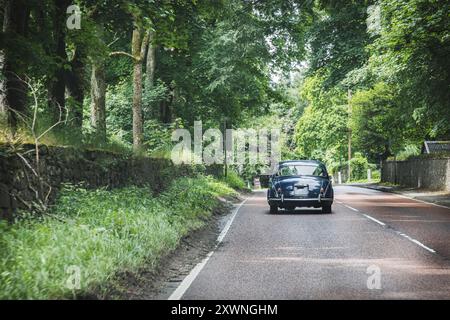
{"x": 373, "y": 219}
{"x": 351, "y": 208}
{"x": 186, "y": 283}
{"x": 416, "y": 242}
{"x": 402, "y": 234}
{"x": 420, "y": 244}
{"x": 230, "y": 221}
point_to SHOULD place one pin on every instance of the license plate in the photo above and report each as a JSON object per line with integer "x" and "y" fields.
{"x": 302, "y": 192}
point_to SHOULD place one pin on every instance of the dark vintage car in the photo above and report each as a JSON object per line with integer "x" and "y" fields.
{"x": 300, "y": 183}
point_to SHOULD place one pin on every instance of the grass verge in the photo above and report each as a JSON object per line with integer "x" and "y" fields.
{"x": 365, "y": 181}
{"x": 99, "y": 233}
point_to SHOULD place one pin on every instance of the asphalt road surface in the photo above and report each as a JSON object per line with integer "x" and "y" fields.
{"x": 374, "y": 245}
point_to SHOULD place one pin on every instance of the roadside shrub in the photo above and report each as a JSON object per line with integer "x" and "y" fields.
{"x": 376, "y": 175}
{"x": 234, "y": 181}
{"x": 359, "y": 166}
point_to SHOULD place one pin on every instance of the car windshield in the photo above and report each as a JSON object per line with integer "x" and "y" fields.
{"x": 301, "y": 169}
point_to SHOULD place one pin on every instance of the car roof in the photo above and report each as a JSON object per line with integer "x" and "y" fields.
{"x": 310, "y": 162}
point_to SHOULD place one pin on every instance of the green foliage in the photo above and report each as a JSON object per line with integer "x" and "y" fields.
{"x": 234, "y": 180}
{"x": 321, "y": 131}
{"x": 158, "y": 135}
{"x": 412, "y": 52}
{"x": 359, "y": 166}
{"x": 408, "y": 152}
{"x": 216, "y": 60}
{"x": 399, "y": 75}
{"x": 378, "y": 128}
{"x": 376, "y": 175}
{"x": 102, "y": 232}
{"x": 160, "y": 92}
{"x": 119, "y": 105}
{"x": 337, "y": 39}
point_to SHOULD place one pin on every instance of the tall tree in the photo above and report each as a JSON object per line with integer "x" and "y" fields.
{"x": 74, "y": 79}
{"x": 57, "y": 90}
{"x": 15, "y": 32}
{"x": 151, "y": 61}
{"x": 412, "y": 52}
{"x": 100, "y": 21}
{"x": 3, "y": 100}
{"x": 98, "y": 96}
{"x": 139, "y": 46}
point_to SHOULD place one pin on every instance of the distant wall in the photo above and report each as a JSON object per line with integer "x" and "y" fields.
{"x": 433, "y": 174}
{"x": 91, "y": 168}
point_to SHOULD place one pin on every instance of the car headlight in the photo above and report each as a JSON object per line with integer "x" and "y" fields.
{"x": 290, "y": 188}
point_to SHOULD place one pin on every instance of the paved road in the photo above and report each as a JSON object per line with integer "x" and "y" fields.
{"x": 309, "y": 255}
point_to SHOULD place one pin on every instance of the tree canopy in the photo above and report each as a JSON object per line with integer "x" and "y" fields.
{"x": 136, "y": 69}
{"x": 382, "y": 64}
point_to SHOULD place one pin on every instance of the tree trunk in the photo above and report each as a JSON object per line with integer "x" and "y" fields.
{"x": 3, "y": 105}
{"x": 151, "y": 62}
{"x": 167, "y": 105}
{"x": 15, "y": 25}
{"x": 98, "y": 93}
{"x": 58, "y": 86}
{"x": 75, "y": 87}
{"x": 3, "y": 101}
{"x": 150, "y": 74}
{"x": 138, "y": 45}
{"x": 138, "y": 134}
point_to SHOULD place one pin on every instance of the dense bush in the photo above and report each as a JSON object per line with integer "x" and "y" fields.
{"x": 376, "y": 175}
{"x": 234, "y": 180}
{"x": 359, "y": 166}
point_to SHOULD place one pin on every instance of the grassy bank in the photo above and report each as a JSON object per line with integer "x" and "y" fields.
{"x": 99, "y": 233}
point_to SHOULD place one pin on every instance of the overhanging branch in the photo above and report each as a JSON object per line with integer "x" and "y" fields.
{"x": 123, "y": 53}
